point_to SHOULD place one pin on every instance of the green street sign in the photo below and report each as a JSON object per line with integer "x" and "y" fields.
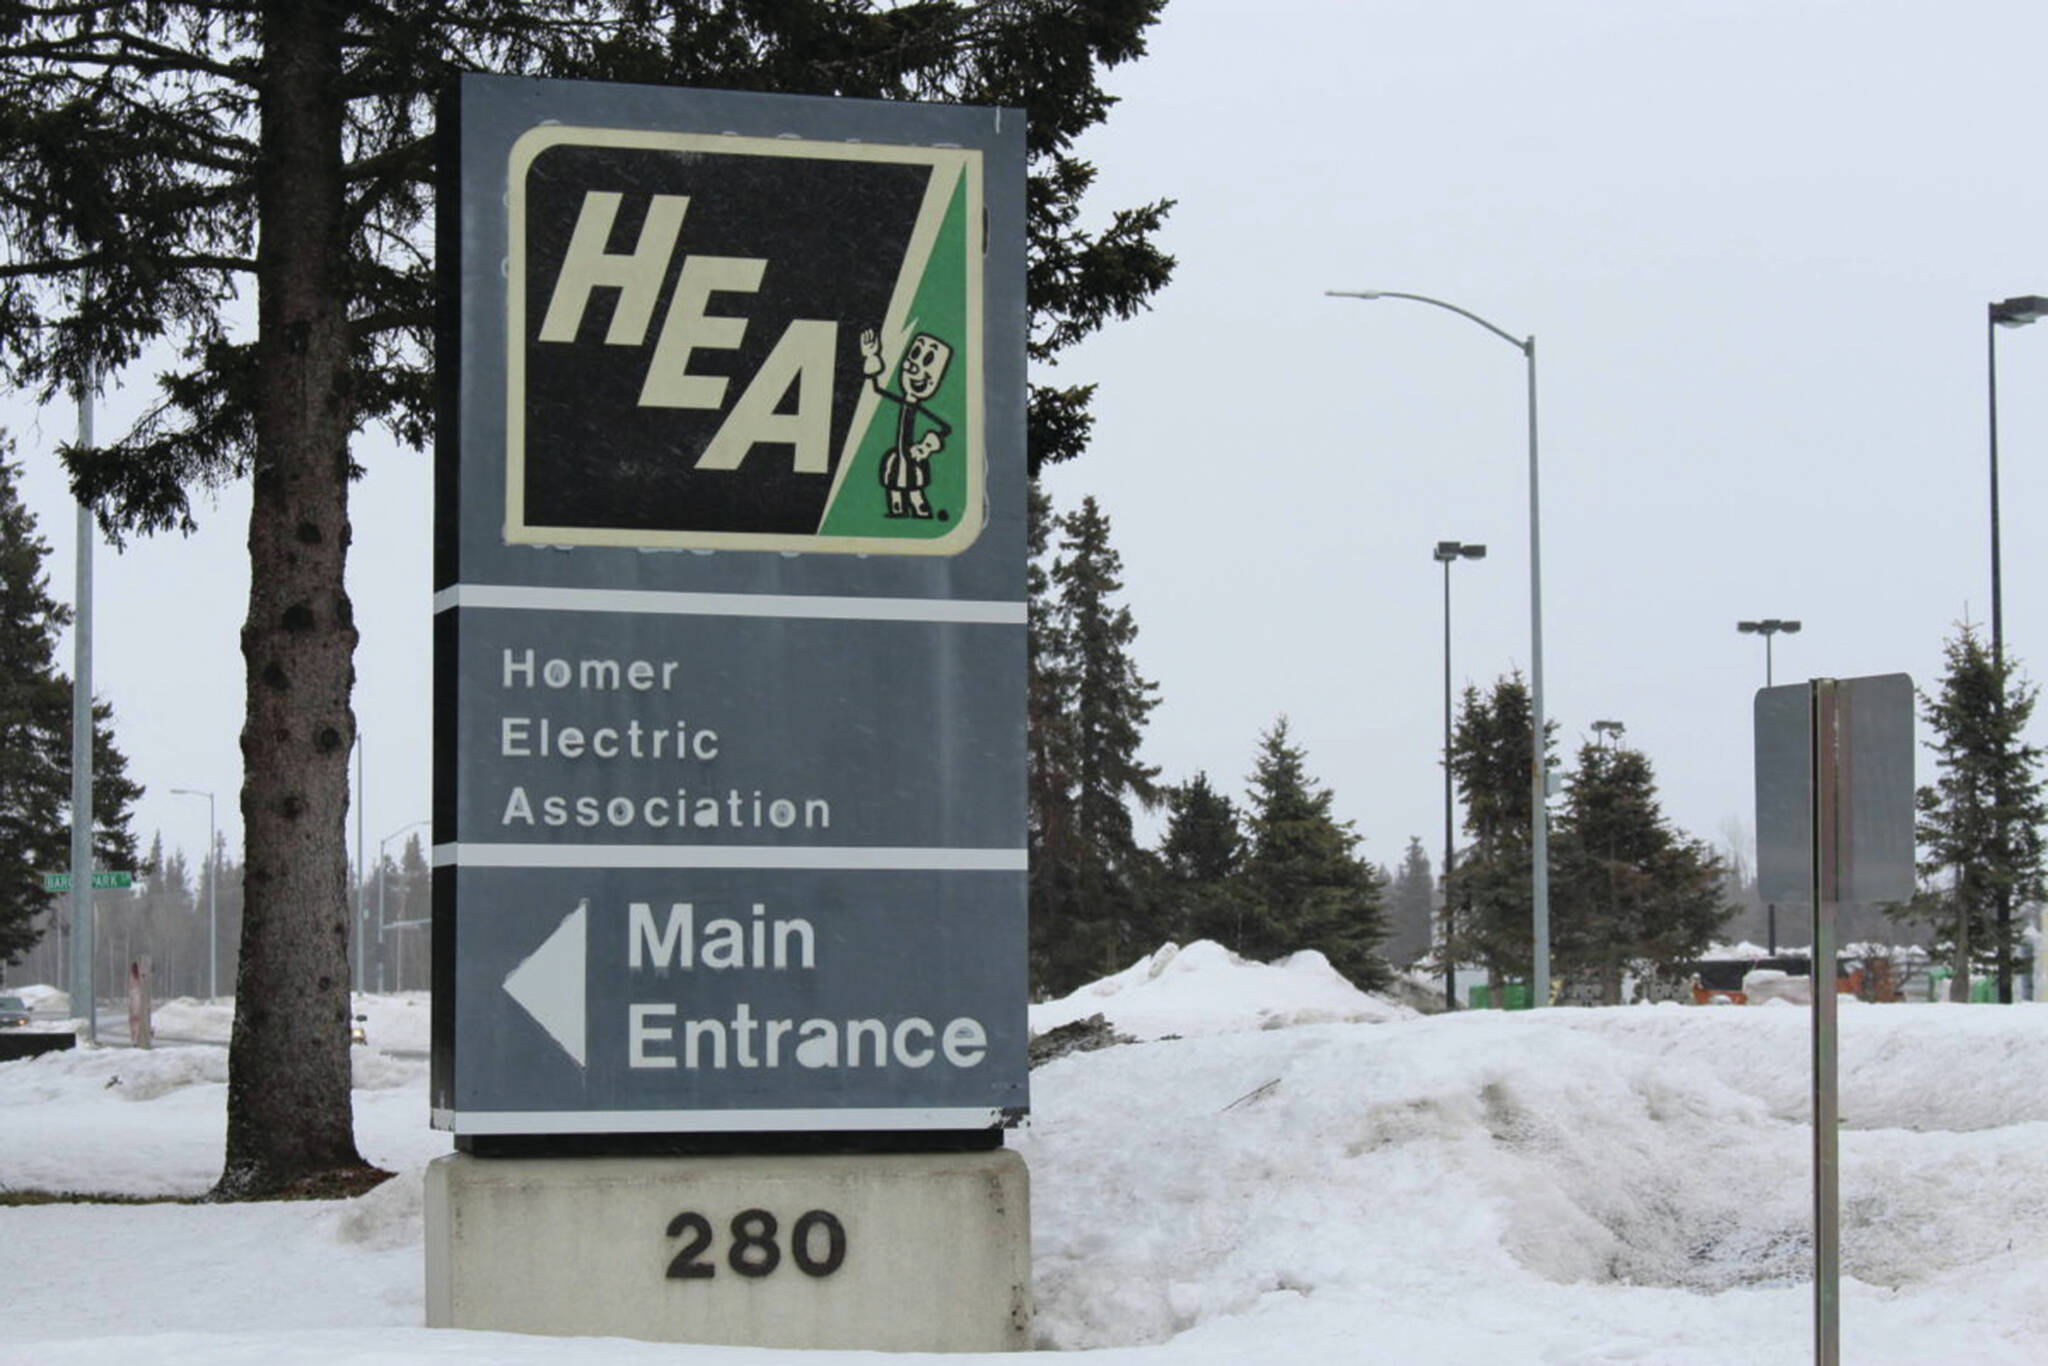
{"x": 101, "y": 882}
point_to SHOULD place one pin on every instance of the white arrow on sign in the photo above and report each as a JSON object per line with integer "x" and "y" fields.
{"x": 549, "y": 984}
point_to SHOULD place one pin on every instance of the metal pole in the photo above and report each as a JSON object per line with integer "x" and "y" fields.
{"x": 212, "y": 904}
{"x": 1450, "y": 846}
{"x": 362, "y": 927}
{"x": 1539, "y": 839}
{"x": 1539, "y": 815}
{"x": 2004, "y": 909}
{"x": 1827, "y": 1248}
{"x": 380, "y": 917}
{"x": 82, "y": 952}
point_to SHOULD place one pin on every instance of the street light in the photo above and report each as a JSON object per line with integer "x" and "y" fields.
{"x": 212, "y": 894}
{"x": 2014, "y": 312}
{"x": 380, "y": 892}
{"x": 1445, "y": 553}
{"x": 1539, "y": 779}
{"x": 1767, "y": 628}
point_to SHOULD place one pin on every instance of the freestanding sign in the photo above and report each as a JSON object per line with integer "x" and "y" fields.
{"x": 1834, "y": 815}
{"x": 729, "y": 622}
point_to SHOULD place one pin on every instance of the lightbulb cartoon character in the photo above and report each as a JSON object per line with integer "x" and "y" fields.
{"x": 907, "y": 467}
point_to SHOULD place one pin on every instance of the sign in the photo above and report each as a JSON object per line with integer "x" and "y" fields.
{"x": 730, "y": 619}
{"x": 101, "y": 881}
{"x": 1834, "y": 802}
{"x": 1875, "y": 742}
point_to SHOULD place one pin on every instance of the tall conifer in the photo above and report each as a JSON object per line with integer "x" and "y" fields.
{"x": 1980, "y": 821}
{"x": 1629, "y": 891}
{"x": 1103, "y": 914}
{"x": 1412, "y": 930}
{"x": 1305, "y": 887}
{"x": 155, "y": 159}
{"x": 35, "y": 737}
{"x": 1199, "y": 859}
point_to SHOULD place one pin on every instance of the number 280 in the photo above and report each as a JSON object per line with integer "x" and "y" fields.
{"x": 754, "y": 1252}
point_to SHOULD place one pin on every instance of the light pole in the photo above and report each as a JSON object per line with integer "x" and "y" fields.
{"x": 2014, "y": 312}
{"x": 380, "y": 894}
{"x": 1445, "y": 553}
{"x": 1768, "y": 627}
{"x": 1539, "y": 778}
{"x": 212, "y": 894}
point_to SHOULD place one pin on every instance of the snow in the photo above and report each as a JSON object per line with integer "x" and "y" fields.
{"x": 1283, "y": 1169}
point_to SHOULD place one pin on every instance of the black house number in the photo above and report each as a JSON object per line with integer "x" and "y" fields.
{"x": 817, "y": 1244}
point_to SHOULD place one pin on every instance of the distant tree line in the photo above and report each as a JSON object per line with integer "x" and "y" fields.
{"x": 174, "y": 909}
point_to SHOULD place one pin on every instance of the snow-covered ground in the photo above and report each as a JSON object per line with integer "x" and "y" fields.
{"x": 1281, "y": 1170}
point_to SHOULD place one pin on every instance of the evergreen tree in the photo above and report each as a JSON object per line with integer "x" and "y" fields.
{"x": 1101, "y": 916}
{"x": 35, "y": 738}
{"x": 1413, "y": 931}
{"x": 1052, "y": 843}
{"x": 1490, "y": 893}
{"x": 156, "y": 158}
{"x": 1629, "y": 891}
{"x": 1980, "y": 820}
{"x": 1303, "y": 885}
{"x": 1199, "y": 859}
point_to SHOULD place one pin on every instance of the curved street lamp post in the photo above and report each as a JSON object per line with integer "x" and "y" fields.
{"x": 1539, "y": 778}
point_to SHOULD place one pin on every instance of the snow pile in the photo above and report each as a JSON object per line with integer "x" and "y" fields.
{"x": 1627, "y": 1184}
{"x": 1205, "y": 989}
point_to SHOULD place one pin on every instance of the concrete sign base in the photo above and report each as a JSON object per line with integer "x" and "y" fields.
{"x": 922, "y": 1252}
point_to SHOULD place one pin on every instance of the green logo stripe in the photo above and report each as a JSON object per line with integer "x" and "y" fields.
{"x": 939, "y": 309}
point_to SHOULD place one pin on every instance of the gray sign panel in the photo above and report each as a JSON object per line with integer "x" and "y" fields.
{"x": 1874, "y": 795}
{"x": 729, "y": 771}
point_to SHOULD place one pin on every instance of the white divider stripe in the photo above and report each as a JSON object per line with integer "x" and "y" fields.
{"x": 511, "y": 597}
{"x": 708, "y": 1121}
{"x": 473, "y": 855}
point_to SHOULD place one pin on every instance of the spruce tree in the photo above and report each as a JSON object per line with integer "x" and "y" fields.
{"x": 1980, "y": 821}
{"x": 1052, "y": 842}
{"x": 1199, "y": 858}
{"x": 157, "y": 158}
{"x": 1413, "y": 931}
{"x": 35, "y": 737}
{"x": 1490, "y": 890}
{"x": 1102, "y": 917}
{"x": 1304, "y": 886}
{"x": 1629, "y": 891}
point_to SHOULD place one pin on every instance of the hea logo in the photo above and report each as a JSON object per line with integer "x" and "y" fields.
{"x": 802, "y": 360}
{"x": 745, "y": 343}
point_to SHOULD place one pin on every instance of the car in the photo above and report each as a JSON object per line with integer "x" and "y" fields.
{"x": 13, "y": 1012}
{"x": 356, "y": 1032}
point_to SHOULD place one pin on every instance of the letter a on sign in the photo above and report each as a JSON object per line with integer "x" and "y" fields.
{"x": 746, "y": 343}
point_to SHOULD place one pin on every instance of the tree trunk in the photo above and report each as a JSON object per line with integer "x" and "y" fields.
{"x": 289, "y": 1121}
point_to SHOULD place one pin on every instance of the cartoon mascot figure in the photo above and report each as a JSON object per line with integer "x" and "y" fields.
{"x": 907, "y": 468}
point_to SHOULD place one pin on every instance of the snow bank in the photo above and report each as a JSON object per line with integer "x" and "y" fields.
{"x": 1205, "y": 989}
{"x": 1626, "y": 1184}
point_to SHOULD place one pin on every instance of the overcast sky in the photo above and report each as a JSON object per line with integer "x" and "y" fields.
{"x": 1754, "y": 240}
